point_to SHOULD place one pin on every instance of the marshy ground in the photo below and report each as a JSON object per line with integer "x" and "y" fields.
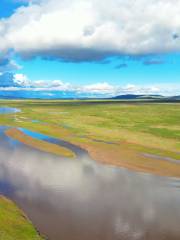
{"x": 140, "y": 136}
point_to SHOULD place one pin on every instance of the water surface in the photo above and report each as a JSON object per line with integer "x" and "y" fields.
{"x": 80, "y": 199}
{"x": 6, "y": 110}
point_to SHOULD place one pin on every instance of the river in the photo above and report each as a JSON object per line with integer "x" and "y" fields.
{"x": 81, "y": 199}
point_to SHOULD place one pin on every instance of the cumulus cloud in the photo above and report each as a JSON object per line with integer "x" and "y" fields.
{"x": 131, "y": 89}
{"x": 21, "y": 80}
{"x": 91, "y": 30}
{"x": 103, "y": 88}
{"x": 9, "y": 80}
{"x": 51, "y": 85}
{"x": 18, "y": 82}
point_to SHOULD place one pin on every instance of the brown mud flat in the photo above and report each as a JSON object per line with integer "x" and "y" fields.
{"x": 39, "y": 144}
{"x": 122, "y": 155}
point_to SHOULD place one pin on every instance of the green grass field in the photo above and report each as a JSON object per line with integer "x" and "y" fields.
{"x": 13, "y": 223}
{"x": 154, "y": 126}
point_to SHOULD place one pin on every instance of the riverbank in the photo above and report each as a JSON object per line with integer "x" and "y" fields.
{"x": 14, "y": 224}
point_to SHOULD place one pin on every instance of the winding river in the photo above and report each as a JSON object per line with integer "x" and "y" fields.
{"x": 81, "y": 199}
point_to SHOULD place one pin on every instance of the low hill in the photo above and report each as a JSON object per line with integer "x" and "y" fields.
{"x": 136, "y": 97}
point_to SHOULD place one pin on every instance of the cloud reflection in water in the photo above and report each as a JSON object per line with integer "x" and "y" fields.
{"x": 82, "y": 199}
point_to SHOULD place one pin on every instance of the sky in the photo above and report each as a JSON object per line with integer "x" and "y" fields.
{"x": 97, "y": 47}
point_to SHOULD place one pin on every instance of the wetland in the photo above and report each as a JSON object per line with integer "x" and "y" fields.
{"x": 106, "y": 185}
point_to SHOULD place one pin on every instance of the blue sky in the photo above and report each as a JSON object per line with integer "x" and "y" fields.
{"x": 136, "y": 72}
{"x": 8, "y": 7}
{"x": 41, "y": 45}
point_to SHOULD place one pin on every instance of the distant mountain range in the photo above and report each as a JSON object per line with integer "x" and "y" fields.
{"x": 134, "y": 96}
{"x": 37, "y": 94}
{"x": 146, "y": 97}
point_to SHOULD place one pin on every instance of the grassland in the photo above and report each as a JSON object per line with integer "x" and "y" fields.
{"x": 13, "y": 223}
{"x": 113, "y": 132}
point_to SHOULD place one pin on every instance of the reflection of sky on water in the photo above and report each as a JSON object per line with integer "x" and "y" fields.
{"x": 5, "y": 110}
{"x": 81, "y": 199}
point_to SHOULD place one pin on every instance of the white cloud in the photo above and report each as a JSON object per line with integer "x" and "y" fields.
{"x": 131, "y": 89}
{"x": 10, "y": 82}
{"x": 21, "y": 80}
{"x": 80, "y": 30}
{"x": 50, "y": 84}
{"x": 103, "y": 88}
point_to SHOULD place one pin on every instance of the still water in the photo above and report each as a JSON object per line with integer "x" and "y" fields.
{"x": 80, "y": 199}
{"x": 5, "y": 110}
